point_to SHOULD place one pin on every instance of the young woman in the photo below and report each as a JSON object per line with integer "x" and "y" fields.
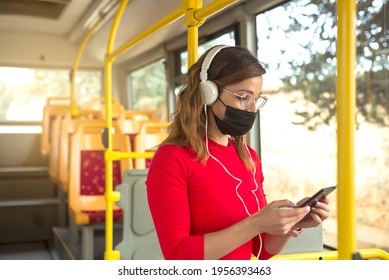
{"x": 204, "y": 185}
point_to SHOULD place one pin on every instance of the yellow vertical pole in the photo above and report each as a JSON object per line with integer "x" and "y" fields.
{"x": 73, "y": 104}
{"x": 191, "y": 6}
{"x": 195, "y": 16}
{"x": 193, "y": 45}
{"x": 345, "y": 106}
{"x": 110, "y": 196}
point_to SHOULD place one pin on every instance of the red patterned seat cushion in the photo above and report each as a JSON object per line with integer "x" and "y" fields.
{"x": 132, "y": 140}
{"x": 93, "y": 173}
{"x": 93, "y": 182}
{"x": 99, "y": 216}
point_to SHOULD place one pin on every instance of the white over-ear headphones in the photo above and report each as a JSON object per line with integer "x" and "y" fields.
{"x": 208, "y": 89}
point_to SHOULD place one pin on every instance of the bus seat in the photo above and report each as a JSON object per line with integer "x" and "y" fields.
{"x": 87, "y": 180}
{"x": 61, "y": 165}
{"x": 68, "y": 127}
{"x": 130, "y": 122}
{"x": 139, "y": 241}
{"x": 54, "y": 148}
{"x": 98, "y": 104}
{"x": 60, "y": 139}
{"x": 139, "y": 115}
{"x": 86, "y": 175}
{"x": 150, "y": 135}
{"x": 54, "y": 106}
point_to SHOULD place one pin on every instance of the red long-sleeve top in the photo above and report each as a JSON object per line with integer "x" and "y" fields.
{"x": 188, "y": 199}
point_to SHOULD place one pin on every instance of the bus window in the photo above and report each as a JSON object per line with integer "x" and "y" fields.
{"x": 224, "y": 39}
{"x": 297, "y": 45}
{"x": 24, "y": 91}
{"x": 148, "y": 88}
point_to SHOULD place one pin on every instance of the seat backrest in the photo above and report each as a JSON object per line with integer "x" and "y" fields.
{"x": 54, "y": 106}
{"x": 87, "y": 170}
{"x": 150, "y": 135}
{"x": 139, "y": 115}
{"x": 99, "y": 103}
{"x": 54, "y": 148}
{"x": 139, "y": 241}
{"x": 68, "y": 127}
{"x": 131, "y": 121}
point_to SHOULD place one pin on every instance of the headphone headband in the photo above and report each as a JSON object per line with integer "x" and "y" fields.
{"x": 209, "y": 89}
{"x": 208, "y": 60}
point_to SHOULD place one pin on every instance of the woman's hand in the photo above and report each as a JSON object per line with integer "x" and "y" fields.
{"x": 319, "y": 212}
{"x": 278, "y": 217}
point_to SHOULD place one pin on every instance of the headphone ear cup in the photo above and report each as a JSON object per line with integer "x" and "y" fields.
{"x": 209, "y": 92}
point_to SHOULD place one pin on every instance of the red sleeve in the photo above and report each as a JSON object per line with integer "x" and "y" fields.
{"x": 168, "y": 202}
{"x": 259, "y": 244}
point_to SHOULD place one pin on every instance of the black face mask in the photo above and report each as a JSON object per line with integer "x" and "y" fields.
{"x": 236, "y": 122}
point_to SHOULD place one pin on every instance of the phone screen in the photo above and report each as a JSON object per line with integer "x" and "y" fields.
{"x": 317, "y": 196}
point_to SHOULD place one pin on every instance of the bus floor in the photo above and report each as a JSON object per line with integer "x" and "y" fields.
{"x": 58, "y": 247}
{"x": 67, "y": 249}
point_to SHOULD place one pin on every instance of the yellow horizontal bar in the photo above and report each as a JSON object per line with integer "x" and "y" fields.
{"x": 371, "y": 253}
{"x": 212, "y": 8}
{"x": 175, "y": 15}
{"x": 112, "y": 196}
{"x": 114, "y": 155}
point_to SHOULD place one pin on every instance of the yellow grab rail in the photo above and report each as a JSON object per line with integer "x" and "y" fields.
{"x": 212, "y": 8}
{"x": 195, "y": 17}
{"x": 190, "y": 8}
{"x": 333, "y": 255}
{"x": 73, "y": 103}
{"x": 192, "y": 24}
{"x": 345, "y": 111}
{"x": 110, "y": 196}
{"x": 114, "y": 155}
{"x": 159, "y": 25}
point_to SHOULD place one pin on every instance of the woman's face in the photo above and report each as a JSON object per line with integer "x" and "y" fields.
{"x": 231, "y": 95}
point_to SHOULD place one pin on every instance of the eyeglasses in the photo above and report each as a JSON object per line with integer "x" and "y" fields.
{"x": 247, "y": 99}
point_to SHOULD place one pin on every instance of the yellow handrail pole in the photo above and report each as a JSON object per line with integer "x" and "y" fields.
{"x": 175, "y": 15}
{"x": 193, "y": 45}
{"x": 110, "y": 196}
{"x": 194, "y": 17}
{"x": 345, "y": 107}
{"x": 212, "y": 8}
{"x": 115, "y": 155}
{"x": 73, "y": 103}
{"x": 372, "y": 253}
{"x": 191, "y": 6}
{"x": 200, "y": 15}
{"x": 193, "y": 29}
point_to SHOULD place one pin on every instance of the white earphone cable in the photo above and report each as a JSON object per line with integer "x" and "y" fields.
{"x": 238, "y": 179}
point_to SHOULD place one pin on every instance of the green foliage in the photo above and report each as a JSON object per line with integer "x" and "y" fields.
{"x": 315, "y": 74}
{"x": 24, "y": 91}
{"x": 148, "y": 88}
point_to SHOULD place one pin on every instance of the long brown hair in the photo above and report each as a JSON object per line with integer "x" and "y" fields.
{"x": 231, "y": 65}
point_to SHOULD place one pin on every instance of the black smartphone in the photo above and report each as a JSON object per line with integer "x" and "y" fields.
{"x": 317, "y": 196}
